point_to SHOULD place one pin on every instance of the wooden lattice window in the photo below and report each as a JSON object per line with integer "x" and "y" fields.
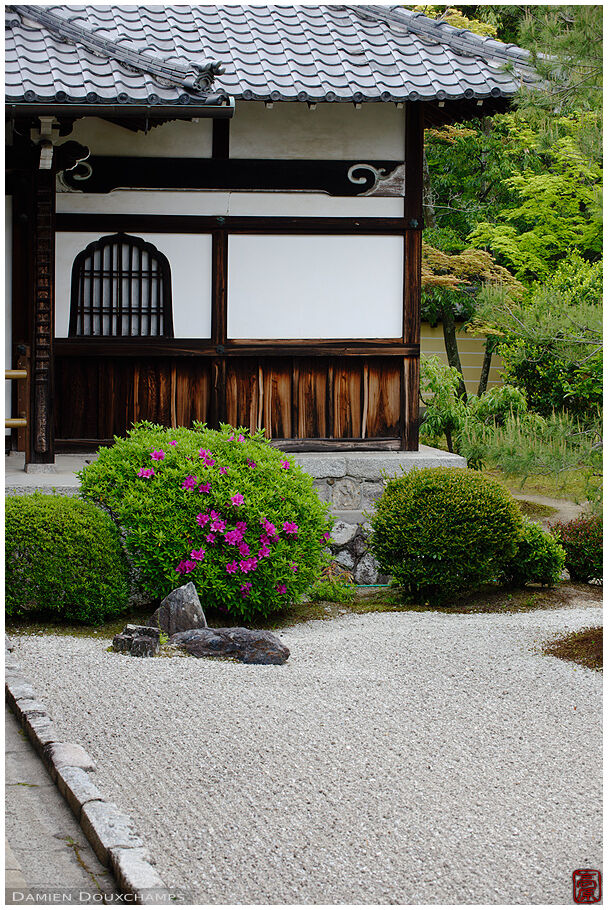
{"x": 121, "y": 287}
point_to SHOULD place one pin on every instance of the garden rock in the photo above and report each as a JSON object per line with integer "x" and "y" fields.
{"x": 342, "y": 533}
{"x": 180, "y": 611}
{"x": 139, "y": 641}
{"x": 250, "y": 646}
{"x": 366, "y": 572}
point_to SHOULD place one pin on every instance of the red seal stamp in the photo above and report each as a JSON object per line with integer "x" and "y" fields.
{"x": 586, "y": 886}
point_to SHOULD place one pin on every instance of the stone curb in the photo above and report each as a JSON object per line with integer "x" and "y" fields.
{"x": 109, "y": 831}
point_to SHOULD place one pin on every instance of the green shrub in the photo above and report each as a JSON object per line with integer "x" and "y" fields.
{"x": 539, "y": 558}
{"x": 335, "y": 584}
{"x": 582, "y": 539}
{"x": 223, "y": 509}
{"x": 439, "y": 531}
{"x": 63, "y": 559}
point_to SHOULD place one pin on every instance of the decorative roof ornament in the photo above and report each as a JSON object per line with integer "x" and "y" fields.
{"x": 203, "y": 75}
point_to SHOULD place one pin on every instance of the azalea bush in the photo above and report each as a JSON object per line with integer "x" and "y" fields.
{"x": 223, "y": 509}
{"x": 64, "y": 560}
{"x": 582, "y": 539}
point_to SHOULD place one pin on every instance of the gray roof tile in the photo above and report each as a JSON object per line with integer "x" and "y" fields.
{"x": 270, "y": 52}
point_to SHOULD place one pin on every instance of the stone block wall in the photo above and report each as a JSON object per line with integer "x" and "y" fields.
{"x": 349, "y": 547}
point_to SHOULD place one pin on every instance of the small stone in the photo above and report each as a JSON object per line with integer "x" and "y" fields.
{"x": 180, "y": 611}
{"x": 140, "y": 641}
{"x": 366, "y": 572}
{"x": 250, "y": 646}
{"x": 77, "y": 788}
{"x": 136, "y": 876}
{"x": 67, "y": 755}
{"x": 346, "y": 494}
{"x": 344, "y": 559}
{"x": 370, "y": 493}
{"x": 106, "y": 828}
{"x": 342, "y": 534}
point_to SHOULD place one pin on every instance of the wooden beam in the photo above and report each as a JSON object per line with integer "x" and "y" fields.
{"x": 235, "y": 224}
{"x": 205, "y": 347}
{"x": 219, "y": 287}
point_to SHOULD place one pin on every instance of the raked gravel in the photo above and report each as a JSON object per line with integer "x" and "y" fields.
{"x": 396, "y": 758}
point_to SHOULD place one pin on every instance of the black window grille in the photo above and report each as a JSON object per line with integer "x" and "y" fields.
{"x": 121, "y": 287}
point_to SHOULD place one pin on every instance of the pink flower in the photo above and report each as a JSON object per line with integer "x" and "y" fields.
{"x": 231, "y": 438}
{"x": 282, "y": 589}
{"x": 245, "y": 588}
{"x": 286, "y": 465}
{"x": 244, "y": 549}
{"x": 237, "y": 500}
{"x": 185, "y": 566}
{"x": 210, "y": 538}
{"x": 290, "y": 527}
{"x": 251, "y": 463}
{"x": 223, "y": 470}
{"x": 241, "y": 526}
{"x": 269, "y": 527}
{"x": 197, "y": 554}
{"x": 264, "y": 540}
{"x": 231, "y": 568}
{"x": 233, "y": 537}
{"x": 241, "y": 438}
{"x": 218, "y": 525}
{"x": 173, "y": 442}
{"x": 263, "y": 551}
{"x": 189, "y": 483}
{"x": 248, "y": 565}
{"x": 157, "y": 454}
{"x": 205, "y": 488}
{"x": 206, "y": 457}
{"x": 202, "y": 519}
{"x": 326, "y": 535}
{"x": 294, "y": 567}
{"x": 213, "y": 514}
{"x": 146, "y": 472}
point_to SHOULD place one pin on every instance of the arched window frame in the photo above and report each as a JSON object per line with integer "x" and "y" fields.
{"x": 77, "y": 308}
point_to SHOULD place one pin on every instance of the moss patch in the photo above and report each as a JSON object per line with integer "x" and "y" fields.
{"x": 535, "y": 509}
{"x": 584, "y": 647}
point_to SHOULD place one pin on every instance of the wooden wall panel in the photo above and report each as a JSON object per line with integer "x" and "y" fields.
{"x": 312, "y": 399}
{"x": 242, "y": 393}
{"x": 384, "y": 398}
{"x": 347, "y": 399}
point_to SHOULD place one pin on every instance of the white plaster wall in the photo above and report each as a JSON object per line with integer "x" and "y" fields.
{"x": 176, "y": 139}
{"x": 190, "y": 258}
{"x": 315, "y": 287}
{"x": 191, "y": 202}
{"x": 333, "y": 130}
{"x": 8, "y": 300}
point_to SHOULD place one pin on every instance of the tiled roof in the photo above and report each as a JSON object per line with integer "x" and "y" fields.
{"x": 148, "y": 54}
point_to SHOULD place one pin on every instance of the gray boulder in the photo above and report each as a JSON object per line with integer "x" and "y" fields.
{"x": 140, "y": 641}
{"x": 179, "y": 611}
{"x": 250, "y": 646}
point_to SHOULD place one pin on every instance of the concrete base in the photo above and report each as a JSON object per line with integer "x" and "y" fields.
{"x": 352, "y": 482}
{"x": 48, "y": 468}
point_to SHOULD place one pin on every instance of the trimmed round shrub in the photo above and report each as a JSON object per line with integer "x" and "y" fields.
{"x": 223, "y": 509}
{"x": 582, "y": 539}
{"x": 64, "y": 559}
{"x": 439, "y": 531}
{"x": 539, "y": 558}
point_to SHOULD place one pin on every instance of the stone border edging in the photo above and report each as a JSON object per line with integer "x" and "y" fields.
{"x": 109, "y": 831}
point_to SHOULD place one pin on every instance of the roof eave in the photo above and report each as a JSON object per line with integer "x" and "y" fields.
{"x": 41, "y": 108}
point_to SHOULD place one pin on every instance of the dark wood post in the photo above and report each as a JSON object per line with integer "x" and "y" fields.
{"x": 412, "y": 265}
{"x": 41, "y": 448}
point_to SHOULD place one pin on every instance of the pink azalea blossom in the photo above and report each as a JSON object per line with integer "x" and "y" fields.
{"x": 173, "y": 442}
{"x": 185, "y": 566}
{"x": 251, "y": 463}
{"x": 218, "y": 525}
{"x": 202, "y": 519}
{"x": 205, "y": 488}
{"x": 286, "y": 465}
{"x": 282, "y": 589}
{"x": 197, "y": 554}
{"x": 237, "y": 500}
{"x": 248, "y": 565}
{"x": 326, "y": 535}
{"x": 263, "y": 551}
{"x": 234, "y": 538}
{"x": 241, "y": 438}
{"x": 231, "y": 568}
{"x": 189, "y": 483}
{"x": 290, "y": 527}
{"x": 231, "y": 438}
{"x": 245, "y": 588}
{"x": 146, "y": 472}
{"x": 223, "y": 470}
{"x": 269, "y": 527}
{"x": 244, "y": 549}
{"x": 157, "y": 454}
{"x": 210, "y": 538}
{"x": 214, "y": 514}
{"x": 294, "y": 567}
{"x": 241, "y": 526}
